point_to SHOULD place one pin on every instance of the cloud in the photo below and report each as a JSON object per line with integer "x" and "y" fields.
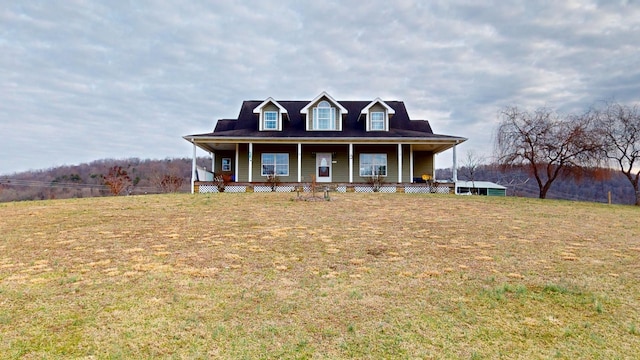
{"x": 86, "y": 80}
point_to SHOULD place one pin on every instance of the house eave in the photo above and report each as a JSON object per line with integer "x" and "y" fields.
{"x": 436, "y": 144}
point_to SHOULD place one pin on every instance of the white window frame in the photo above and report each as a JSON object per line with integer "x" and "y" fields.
{"x": 328, "y": 119}
{"x": 377, "y": 124}
{"x": 266, "y": 120}
{"x": 272, "y": 160}
{"x": 226, "y": 164}
{"x": 371, "y": 161}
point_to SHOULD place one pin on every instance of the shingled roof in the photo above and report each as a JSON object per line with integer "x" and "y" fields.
{"x": 353, "y": 125}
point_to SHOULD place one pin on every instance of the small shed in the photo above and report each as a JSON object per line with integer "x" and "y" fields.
{"x": 486, "y": 188}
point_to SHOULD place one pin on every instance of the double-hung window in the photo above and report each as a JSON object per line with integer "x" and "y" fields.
{"x": 324, "y": 116}
{"x": 275, "y": 164}
{"x": 373, "y": 164}
{"x": 270, "y": 120}
{"x": 377, "y": 120}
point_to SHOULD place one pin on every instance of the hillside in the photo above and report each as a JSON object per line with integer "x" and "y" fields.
{"x": 84, "y": 180}
{"x": 362, "y": 276}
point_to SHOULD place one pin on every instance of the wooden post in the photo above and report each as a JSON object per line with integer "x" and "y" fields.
{"x": 609, "y": 196}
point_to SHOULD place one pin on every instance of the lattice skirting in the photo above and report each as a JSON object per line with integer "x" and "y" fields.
{"x": 229, "y": 188}
{"x": 426, "y": 190}
{"x": 320, "y": 189}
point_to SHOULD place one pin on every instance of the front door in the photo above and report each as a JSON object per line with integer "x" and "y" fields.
{"x": 323, "y": 167}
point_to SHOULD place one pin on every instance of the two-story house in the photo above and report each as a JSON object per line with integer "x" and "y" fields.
{"x": 340, "y": 142}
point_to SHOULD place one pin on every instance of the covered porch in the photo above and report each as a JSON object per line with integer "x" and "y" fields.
{"x": 344, "y": 166}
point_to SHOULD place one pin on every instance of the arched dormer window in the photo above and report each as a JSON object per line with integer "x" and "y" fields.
{"x": 324, "y": 116}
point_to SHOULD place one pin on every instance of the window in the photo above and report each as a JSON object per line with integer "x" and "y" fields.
{"x": 373, "y": 164}
{"x": 270, "y": 120}
{"x": 377, "y": 120}
{"x": 226, "y": 164}
{"x": 275, "y": 164}
{"x": 324, "y": 116}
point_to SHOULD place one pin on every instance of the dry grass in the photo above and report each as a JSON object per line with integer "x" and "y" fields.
{"x": 362, "y": 276}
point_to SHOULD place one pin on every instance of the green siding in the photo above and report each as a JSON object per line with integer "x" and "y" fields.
{"x": 423, "y": 161}
{"x": 496, "y": 192}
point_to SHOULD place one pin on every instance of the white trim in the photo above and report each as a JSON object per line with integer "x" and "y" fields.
{"x": 275, "y": 163}
{"x": 250, "y": 162}
{"x": 373, "y": 164}
{"x": 350, "y": 163}
{"x": 237, "y": 165}
{"x": 325, "y": 155}
{"x": 299, "y": 162}
{"x": 305, "y": 110}
{"x": 213, "y": 162}
{"x": 455, "y": 164}
{"x": 399, "y": 163}
{"x": 387, "y": 113}
{"x": 390, "y": 110}
{"x": 258, "y": 108}
{"x": 281, "y": 111}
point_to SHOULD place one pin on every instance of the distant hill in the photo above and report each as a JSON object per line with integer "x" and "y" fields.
{"x": 85, "y": 180}
{"x": 521, "y": 183}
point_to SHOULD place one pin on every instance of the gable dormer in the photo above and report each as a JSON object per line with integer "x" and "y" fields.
{"x": 324, "y": 113}
{"x": 270, "y": 115}
{"x": 376, "y": 115}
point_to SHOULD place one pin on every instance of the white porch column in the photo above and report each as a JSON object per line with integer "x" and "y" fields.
{"x": 213, "y": 162}
{"x": 193, "y": 169}
{"x": 399, "y": 163}
{"x": 299, "y": 162}
{"x": 350, "y": 163}
{"x": 455, "y": 165}
{"x": 411, "y": 163}
{"x": 250, "y": 162}
{"x": 237, "y": 166}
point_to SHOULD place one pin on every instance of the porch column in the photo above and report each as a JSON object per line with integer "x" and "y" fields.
{"x": 399, "y": 163}
{"x": 237, "y": 166}
{"x": 350, "y": 163}
{"x": 299, "y": 162}
{"x": 411, "y": 163}
{"x": 213, "y": 162}
{"x": 250, "y": 162}
{"x": 455, "y": 165}
{"x": 193, "y": 168}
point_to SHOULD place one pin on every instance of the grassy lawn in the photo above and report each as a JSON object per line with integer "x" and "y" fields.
{"x": 362, "y": 276}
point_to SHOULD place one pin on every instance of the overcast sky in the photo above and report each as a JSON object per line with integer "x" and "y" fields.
{"x": 87, "y": 80}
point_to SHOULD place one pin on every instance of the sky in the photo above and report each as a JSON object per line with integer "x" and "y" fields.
{"x": 84, "y": 80}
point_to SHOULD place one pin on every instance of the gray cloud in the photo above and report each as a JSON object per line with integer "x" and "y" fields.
{"x": 89, "y": 80}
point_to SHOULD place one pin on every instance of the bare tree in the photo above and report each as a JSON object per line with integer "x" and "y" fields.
{"x": 117, "y": 180}
{"x": 545, "y": 143}
{"x": 619, "y": 128}
{"x": 470, "y": 166}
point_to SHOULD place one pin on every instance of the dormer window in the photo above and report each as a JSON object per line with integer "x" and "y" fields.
{"x": 270, "y": 120}
{"x": 377, "y": 120}
{"x": 376, "y": 115}
{"x": 323, "y": 113}
{"x": 324, "y": 116}
{"x": 270, "y": 115}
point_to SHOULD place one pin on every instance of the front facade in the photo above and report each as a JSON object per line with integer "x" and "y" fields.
{"x": 339, "y": 142}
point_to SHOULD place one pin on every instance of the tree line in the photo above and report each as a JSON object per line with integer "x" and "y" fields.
{"x": 553, "y": 146}
{"x": 100, "y": 178}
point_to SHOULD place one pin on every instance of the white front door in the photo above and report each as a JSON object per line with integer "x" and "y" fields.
{"x": 323, "y": 167}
